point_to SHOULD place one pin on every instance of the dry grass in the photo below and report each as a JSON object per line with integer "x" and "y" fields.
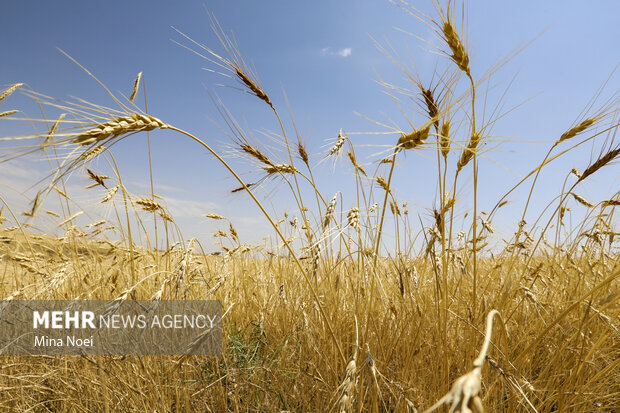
{"x": 331, "y": 316}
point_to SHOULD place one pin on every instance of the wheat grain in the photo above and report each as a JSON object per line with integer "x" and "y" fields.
{"x": 582, "y": 200}
{"x": 8, "y": 92}
{"x": 353, "y": 216}
{"x": 91, "y": 153}
{"x": 394, "y": 208}
{"x": 413, "y": 139}
{"x": 99, "y": 179}
{"x": 136, "y": 86}
{"x": 611, "y": 202}
{"x": 253, "y": 86}
{"x": 469, "y": 151}
{"x": 431, "y": 106}
{"x": 444, "y": 140}
{"x": 110, "y": 194}
{"x": 459, "y": 55}
{"x": 149, "y": 205}
{"x": 383, "y": 183}
{"x": 282, "y": 168}
{"x": 165, "y": 215}
{"x": 329, "y": 212}
{"x": 96, "y": 223}
{"x": 256, "y": 153}
{"x": 71, "y": 218}
{"x": 335, "y": 150}
{"x": 8, "y": 113}
{"x": 35, "y": 205}
{"x": 303, "y": 154}
{"x": 487, "y": 226}
{"x": 119, "y": 126}
{"x": 599, "y": 163}
{"x": 53, "y": 129}
{"x": 353, "y": 160}
{"x": 576, "y": 130}
{"x": 345, "y": 390}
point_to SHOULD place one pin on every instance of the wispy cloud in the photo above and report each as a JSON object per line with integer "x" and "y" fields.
{"x": 188, "y": 208}
{"x": 345, "y": 52}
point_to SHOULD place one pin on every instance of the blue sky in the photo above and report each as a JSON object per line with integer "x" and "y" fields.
{"x": 322, "y": 55}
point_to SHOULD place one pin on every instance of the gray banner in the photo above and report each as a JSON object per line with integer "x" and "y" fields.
{"x": 174, "y": 327}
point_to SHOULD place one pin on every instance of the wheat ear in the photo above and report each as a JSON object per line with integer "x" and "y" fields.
{"x": 600, "y": 162}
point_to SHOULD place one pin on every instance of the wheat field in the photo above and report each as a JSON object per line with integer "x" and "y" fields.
{"x": 360, "y": 301}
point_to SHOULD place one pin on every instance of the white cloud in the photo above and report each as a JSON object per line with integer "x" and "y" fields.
{"x": 188, "y": 208}
{"x": 345, "y": 52}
